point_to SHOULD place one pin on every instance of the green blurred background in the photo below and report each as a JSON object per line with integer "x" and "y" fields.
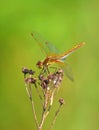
{"x": 64, "y": 23}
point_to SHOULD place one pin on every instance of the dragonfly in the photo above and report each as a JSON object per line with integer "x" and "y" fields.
{"x": 53, "y": 55}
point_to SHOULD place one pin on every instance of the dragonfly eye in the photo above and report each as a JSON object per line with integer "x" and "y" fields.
{"x": 39, "y": 64}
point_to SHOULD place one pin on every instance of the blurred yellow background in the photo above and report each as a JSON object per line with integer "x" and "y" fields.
{"x": 64, "y": 23}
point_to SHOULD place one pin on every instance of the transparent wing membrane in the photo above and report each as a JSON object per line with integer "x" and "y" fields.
{"x": 68, "y": 71}
{"x": 45, "y": 45}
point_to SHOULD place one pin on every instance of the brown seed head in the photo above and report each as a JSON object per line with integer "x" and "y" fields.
{"x": 30, "y": 80}
{"x": 31, "y": 72}
{"x": 25, "y": 70}
{"x": 61, "y": 101}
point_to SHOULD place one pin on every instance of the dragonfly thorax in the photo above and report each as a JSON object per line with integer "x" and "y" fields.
{"x": 49, "y": 60}
{"x": 45, "y": 63}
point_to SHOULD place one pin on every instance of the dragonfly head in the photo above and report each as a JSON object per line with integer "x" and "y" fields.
{"x": 39, "y": 64}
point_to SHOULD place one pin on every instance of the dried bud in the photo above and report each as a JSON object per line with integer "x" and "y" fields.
{"x": 61, "y": 101}
{"x": 41, "y": 77}
{"x": 57, "y": 78}
{"x": 30, "y": 80}
{"x": 25, "y": 70}
{"x": 50, "y": 77}
{"x": 44, "y": 85}
{"x": 46, "y": 81}
{"x": 60, "y": 71}
{"x": 31, "y": 72}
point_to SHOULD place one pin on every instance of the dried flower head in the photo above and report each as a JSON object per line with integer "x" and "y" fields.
{"x": 61, "y": 101}
{"x": 31, "y": 72}
{"x": 30, "y": 80}
{"x": 57, "y": 77}
{"x": 25, "y": 70}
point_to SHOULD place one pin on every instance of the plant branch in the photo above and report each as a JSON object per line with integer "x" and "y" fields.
{"x": 55, "y": 116}
{"x": 28, "y": 89}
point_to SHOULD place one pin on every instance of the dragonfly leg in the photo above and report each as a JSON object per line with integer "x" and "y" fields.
{"x": 44, "y": 70}
{"x": 47, "y": 70}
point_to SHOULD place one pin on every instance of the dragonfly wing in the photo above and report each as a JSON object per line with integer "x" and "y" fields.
{"x": 52, "y": 48}
{"x": 46, "y": 46}
{"x": 68, "y": 71}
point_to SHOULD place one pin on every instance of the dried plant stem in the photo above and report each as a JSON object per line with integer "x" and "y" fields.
{"x": 42, "y": 121}
{"x": 44, "y": 110}
{"x": 44, "y": 113}
{"x": 52, "y": 96}
{"x": 55, "y": 116}
{"x": 35, "y": 117}
{"x": 28, "y": 89}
